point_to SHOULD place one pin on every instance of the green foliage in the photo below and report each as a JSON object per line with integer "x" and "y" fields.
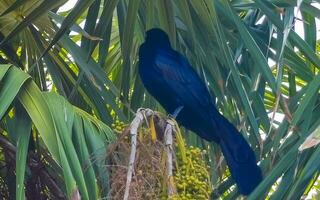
{"x": 71, "y": 137}
{"x": 94, "y": 71}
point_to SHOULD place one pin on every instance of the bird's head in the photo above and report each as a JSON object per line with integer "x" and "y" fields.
{"x": 157, "y": 37}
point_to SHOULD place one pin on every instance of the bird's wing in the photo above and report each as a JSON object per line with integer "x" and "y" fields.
{"x": 182, "y": 80}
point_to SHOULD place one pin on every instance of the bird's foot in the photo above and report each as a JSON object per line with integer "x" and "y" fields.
{"x": 176, "y": 112}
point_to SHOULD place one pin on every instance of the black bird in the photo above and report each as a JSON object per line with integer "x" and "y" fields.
{"x": 171, "y": 80}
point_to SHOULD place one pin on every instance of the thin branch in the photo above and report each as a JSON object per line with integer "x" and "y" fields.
{"x": 36, "y": 166}
{"x": 168, "y": 141}
{"x": 135, "y": 124}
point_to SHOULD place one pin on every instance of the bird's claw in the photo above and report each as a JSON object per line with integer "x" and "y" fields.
{"x": 176, "y": 112}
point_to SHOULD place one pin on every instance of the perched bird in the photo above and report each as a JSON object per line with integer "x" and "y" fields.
{"x": 171, "y": 80}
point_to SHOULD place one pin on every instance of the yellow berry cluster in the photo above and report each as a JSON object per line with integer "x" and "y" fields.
{"x": 192, "y": 176}
{"x": 118, "y": 126}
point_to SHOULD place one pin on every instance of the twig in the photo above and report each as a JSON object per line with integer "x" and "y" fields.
{"x": 169, "y": 150}
{"x": 36, "y": 165}
{"x": 136, "y": 122}
{"x": 113, "y": 147}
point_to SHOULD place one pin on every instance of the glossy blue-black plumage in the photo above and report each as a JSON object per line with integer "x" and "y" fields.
{"x": 170, "y": 79}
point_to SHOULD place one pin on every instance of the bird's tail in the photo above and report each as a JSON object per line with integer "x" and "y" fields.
{"x": 240, "y": 158}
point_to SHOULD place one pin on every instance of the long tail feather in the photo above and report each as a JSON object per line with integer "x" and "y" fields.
{"x": 240, "y": 158}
